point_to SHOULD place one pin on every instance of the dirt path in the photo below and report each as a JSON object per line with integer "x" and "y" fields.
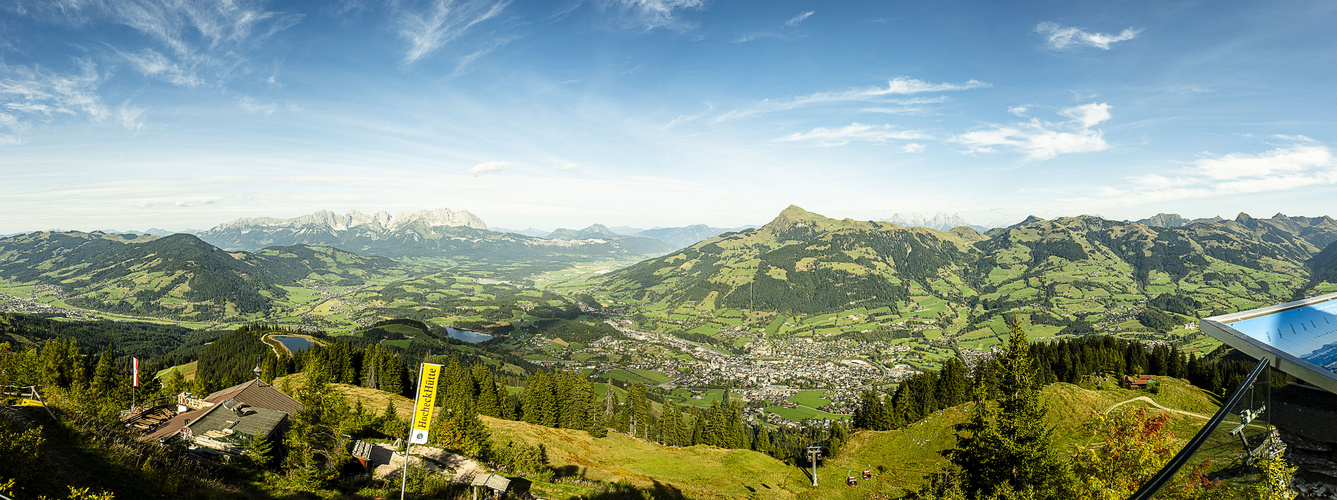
{"x": 1157, "y": 405}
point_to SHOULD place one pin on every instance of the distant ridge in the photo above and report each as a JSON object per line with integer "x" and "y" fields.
{"x": 682, "y": 237}
{"x": 674, "y": 237}
{"x": 939, "y": 221}
{"x": 438, "y": 233}
{"x": 805, "y": 263}
{"x": 1165, "y": 220}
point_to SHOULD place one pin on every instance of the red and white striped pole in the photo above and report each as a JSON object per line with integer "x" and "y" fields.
{"x": 135, "y": 371}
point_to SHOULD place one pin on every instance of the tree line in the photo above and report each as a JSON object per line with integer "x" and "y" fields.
{"x": 1068, "y": 361}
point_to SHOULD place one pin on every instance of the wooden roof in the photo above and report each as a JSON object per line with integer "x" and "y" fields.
{"x": 254, "y": 393}
{"x": 491, "y": 481}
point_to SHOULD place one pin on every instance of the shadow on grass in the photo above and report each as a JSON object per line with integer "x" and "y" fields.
{"x": 657, "y": 491}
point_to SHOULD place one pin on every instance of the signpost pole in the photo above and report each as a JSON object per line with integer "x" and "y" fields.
{"x": 428, "y": 374}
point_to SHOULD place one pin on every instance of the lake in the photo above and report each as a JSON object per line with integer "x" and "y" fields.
{"x": 294, "y": 344}
{"x": 468, "y": 336}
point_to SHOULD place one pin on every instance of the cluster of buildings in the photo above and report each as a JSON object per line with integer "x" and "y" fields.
{"x": 10, "y": 303}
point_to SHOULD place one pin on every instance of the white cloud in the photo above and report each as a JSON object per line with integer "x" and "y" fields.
{"x": 1062, "y": 38}
{"x": 462, "y": 66}
{"x": 567, "y": 166}
{"x": 1018, "y": 110}
{"x": 854, "y": 132}
{"x": 35, "y": 94}
{"x": 914, "y": 147}
{"x": 206, "y": 40}
{"x": 129, "y": 116}
{"x": 251, "y": 105}
{"x": 443, "y": 22}
{"x": 793, "y": 21}
{"x": 489, "y": 168}
{"x": 1089, "y": 115}
{"x": 1041, "y": 140}
{"x": 895, "y": 87}
{"x": 1300, "y": 163}
{"x": 1297, "y": 159}
{"x": 152, "y": 63}
{"x": 652, "y": 14}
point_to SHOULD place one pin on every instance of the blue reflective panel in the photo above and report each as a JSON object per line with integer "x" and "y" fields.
{"x": 1308, "y": 333}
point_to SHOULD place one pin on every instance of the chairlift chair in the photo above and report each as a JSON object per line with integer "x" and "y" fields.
{"x": 868, "y": 473}
{"x": 850, "y": 480}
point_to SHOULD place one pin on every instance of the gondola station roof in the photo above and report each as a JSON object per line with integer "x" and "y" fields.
{"x": 1300, "y": 337}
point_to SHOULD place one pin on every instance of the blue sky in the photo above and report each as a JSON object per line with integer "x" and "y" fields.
{"x": 131, "y": 114}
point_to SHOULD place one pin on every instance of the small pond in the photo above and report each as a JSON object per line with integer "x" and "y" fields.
{"x": 294, "y": 344}
{"x": 468, "y": 336}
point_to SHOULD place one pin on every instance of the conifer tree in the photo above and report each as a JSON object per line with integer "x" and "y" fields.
{"x": 260, "y": 452}
{"x": 638, "y": 410}
{"x": 1005, "y": 444}
{"x": 104, "y": 375}
{"x": 762, "y": 443}
{"x": 714, "y": 425}
{"x": 314, "y": 443}
{"x": 461, "y": 430}
{"x": 737, "y": 430}
{"x": 698, "y": 427}
{"x": 486, "y": 391}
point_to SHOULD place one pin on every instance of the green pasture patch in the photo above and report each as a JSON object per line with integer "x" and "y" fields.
{"x": 813, "y": 399}
{"x": 801, "y": 413}
{"x": 652, "y": 375}
{"x": 705, "y": 330}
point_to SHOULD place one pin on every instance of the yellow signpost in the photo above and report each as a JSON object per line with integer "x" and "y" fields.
{"x": 428, "y": 376}
{"x": 422, "y": 408}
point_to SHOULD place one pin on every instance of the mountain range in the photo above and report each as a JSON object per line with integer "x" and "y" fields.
{"x": 799, "y": 263}
{"x": 805, "y": 263}
{"x": 939, "y": 221}
{"x": 177, "y": 276}
{"x": 440, "y": 233}
{"x": 674, "y": 237}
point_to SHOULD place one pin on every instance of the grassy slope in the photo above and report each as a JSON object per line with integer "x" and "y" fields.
{"x": 898, "y": 458}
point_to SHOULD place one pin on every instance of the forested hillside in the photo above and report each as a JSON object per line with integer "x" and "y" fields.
{"x": 177, "y": 276}
{"x": 1068, "y": 269}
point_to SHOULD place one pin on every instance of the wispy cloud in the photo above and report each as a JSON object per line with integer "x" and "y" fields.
{"x": 129, "y": 116}
{"x": 250, "y": 105}
{"x": 1298, "y": 162}
{"x": 442, "y": 22}
{"x": 1041, "y": 140}
{"x": 152, "y": 63}
{"x": 567, "y": 166}
{"x": 652, "y": 14}
{"x": 465, "y": 62}
{"x": 35, "y": 94}
{"x": 1061, "y": 38}
{"x": 855, "y": 132}
{"x": 793, "y": 21}
{"x": 914, "y": 147}
{"x": 490, "y": 167}
{"x": 205, "y": 41}
{"x": 895, "y": 87}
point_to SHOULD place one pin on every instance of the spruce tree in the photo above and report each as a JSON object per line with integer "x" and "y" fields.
{"x": 260, "y": 452}
{"x": 104, "y": 375}
{"x": 763, "y": 441}
{"x": 1005, "y": 445}
{"x": 486, "y": 391}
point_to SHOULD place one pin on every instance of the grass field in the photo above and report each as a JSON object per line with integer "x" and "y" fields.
{"x": 899, "y": 459}
{"x": 812, "y": 399}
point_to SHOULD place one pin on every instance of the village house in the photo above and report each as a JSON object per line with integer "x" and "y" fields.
{"x": 223, "y": 422}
